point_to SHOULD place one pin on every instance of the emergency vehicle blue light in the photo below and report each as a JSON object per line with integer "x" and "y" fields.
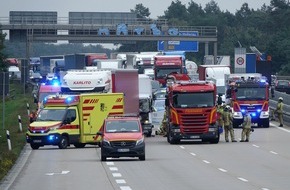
{"x": 258, "y": 110}
{"x": 262, "y": 80}
{"x": 56, "y": 83}
{"x": 43, "y": 84}
{"x": 51, "y": 137}
{"x": 243, "y": 111}
{"x": 69, "y": 99}
{"x": 45, "y": 100}
{"x": 254, "y": 114}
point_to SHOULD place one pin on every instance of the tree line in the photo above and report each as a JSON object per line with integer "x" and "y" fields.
{"x": 266, "y": 28}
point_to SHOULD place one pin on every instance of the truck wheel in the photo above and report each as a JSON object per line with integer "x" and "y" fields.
{"x": 171, "y": 139}
{"x": 216, "y": 140}
{"x": 142, "y": 157}
{"x": 63, "y": 144}
{"x": 34, "y": 146}
{"x": 235, "y": 125}
{"x": 266, "y": 123}
{"x": 79, "y": 145}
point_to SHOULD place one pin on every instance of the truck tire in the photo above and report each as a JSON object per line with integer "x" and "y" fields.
{"x": 171, "y": 139}
{"x": 63, "y": 143}
{"x": 216, "y": 140}
{"x": 235, "y": 125}
{"x": 266, "y": 123}
{"x": 79, "y": 145}
{"x": 34, "y": 146}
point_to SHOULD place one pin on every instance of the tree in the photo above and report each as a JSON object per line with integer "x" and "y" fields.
{"x": 212, "y": 7}
{"x": 3, "y": 62}
{"x": 141, "y": 11}
{"x": 177, "y": 11}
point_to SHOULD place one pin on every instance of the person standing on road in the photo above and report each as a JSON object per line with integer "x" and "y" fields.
{"x": 227, "y": 119}
{"x": 279, "y": 111}
{"x": 246, "y": 127}
{"x": 220, "y": 110}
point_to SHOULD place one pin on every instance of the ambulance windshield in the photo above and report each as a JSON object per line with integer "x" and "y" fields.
{"x": 51, "y": 115}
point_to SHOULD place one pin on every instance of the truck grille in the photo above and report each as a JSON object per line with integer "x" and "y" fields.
{"x": 194, "y": 123}
{"x": 123, "y": 144}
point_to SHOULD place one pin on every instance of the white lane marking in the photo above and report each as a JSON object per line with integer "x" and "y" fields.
{"x": 223, "y": 170}
{"x": 125, "y": 188}
{"x": 110, "y": 163}
{"x": 120, "y": 181}
{"x": 273, "y": 152}
{"x": 113, "y": 168}
{"x": 256, "y": 146}
{"x": 193, "y": 154}
{"x": 182, "y": 147}
{"x": 243, "y": 179}
{"x": 281, "y": 128}
{"x": 117, "y": 175}
{"x": 205, "y": 161}
{"x": 265, "y": 189}
{"x": 62, "y": 173}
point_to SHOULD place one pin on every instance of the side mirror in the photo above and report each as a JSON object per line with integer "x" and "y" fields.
{"x": 100, "y": 133}
{"x": 67, "y": 121}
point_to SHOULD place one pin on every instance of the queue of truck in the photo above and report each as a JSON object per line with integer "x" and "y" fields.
{"x": 74, "y": 111}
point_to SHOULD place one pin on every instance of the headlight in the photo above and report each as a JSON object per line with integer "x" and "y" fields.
{"x": 146, "y": 121}
{"x": 176, "y": 130}
{"x": 140, "y": 141}
{"x": 106, "y": 142}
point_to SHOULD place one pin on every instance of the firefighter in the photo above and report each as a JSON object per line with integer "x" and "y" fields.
{"x": 220, "y": 110}
{"x": 228, "y": 127}
{"x": 279, "y": 111}
{"x": 247, "y": 123}
{"x": 162, "y": 129}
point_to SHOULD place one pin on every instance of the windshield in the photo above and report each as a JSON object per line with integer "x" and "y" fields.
{"x": 193, "y": 100}
{"x": 159, "y": 105}
{"x": 51, "y": 115}
{"x": 221, "y": 89}
{"x": 162, "y": 73}
{"x": 122, "y": 126}
{"x": 251, "y": 94}
{"x": 144, "y": 105}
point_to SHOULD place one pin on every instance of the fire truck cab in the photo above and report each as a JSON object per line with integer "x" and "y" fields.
{"x": 191, "y": 110}
{"x": 248, "y": 92}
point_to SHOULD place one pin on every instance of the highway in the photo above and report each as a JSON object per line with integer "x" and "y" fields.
{"x": 261, "y": 164}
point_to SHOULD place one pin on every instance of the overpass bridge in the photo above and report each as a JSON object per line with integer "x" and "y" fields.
{"x": 85, "y": 27}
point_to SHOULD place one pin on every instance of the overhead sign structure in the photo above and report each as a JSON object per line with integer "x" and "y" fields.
{"x": 188, "y": 46}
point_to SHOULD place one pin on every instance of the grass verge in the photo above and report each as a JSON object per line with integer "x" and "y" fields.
{"x": 13, "y": 107}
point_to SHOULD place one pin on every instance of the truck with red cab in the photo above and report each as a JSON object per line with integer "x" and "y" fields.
{"x": 191, "y": 111}
{"x": 166, "y": 64}
{"x": 248, "y": 92}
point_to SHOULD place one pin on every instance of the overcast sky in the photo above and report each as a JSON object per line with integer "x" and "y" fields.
{"x": 156, "y": 7}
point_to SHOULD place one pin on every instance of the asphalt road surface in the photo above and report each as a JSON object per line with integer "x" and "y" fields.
{"x": 261, "y": 164}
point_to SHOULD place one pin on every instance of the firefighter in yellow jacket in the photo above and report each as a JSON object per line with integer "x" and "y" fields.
{"x": 228, "y": 127}
{"x": 247, "y": 124}
{"x": 220, "y": 110}
{"x": 279, "y": 111}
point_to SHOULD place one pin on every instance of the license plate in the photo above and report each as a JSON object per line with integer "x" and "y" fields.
{"x": 194, "y": 137}
{"x": 123, "y": 150}
{"x": 37, "y": 141}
